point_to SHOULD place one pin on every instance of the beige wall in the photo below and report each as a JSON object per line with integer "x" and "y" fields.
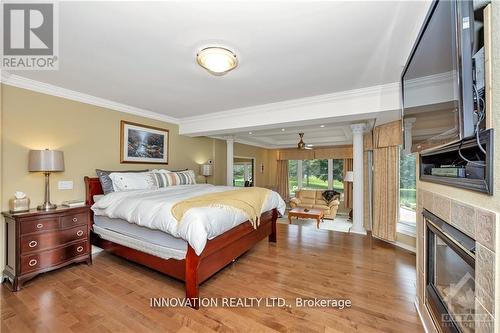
{"x": 90, "y": 138}
{"x": 261, "y": 155}
{"x": 88, "y": 135}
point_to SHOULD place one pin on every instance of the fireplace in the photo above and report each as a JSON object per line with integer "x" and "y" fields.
{"x": 450, "y": 283}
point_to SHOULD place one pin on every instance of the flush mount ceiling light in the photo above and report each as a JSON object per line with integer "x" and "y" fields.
{"x": 217, "y": 60}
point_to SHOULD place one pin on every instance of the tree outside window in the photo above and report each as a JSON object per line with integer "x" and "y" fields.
{"x": 407, "y": 193}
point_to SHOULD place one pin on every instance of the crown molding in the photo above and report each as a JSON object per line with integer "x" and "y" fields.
{"x": 351, "y": 104}
{"x": 45, "y": 88}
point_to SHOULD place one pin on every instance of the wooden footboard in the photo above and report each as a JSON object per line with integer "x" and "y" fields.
{"x": 194, "y": 269}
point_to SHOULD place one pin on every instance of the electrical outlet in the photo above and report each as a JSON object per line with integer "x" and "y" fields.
{"x": 65, "y": 185}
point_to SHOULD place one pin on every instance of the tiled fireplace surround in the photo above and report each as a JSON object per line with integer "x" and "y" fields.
{"x": 478, "y": 224}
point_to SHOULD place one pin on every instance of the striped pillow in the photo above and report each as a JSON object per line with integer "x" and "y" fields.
{"x": 164, "y": 179}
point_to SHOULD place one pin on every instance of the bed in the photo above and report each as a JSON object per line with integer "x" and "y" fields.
{"x": 195, "y": 268}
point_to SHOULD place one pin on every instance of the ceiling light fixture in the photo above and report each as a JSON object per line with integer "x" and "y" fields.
{"x": 217, "y": 60}
{"x": 321, "y": 126}
{"x": 250, "y": 133}
{"x": 282, "y": 129}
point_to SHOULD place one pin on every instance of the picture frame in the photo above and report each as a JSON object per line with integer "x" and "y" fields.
{"x": 143, "y": 144}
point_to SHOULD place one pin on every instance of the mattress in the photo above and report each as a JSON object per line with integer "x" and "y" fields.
{"x": 151, "y": 241}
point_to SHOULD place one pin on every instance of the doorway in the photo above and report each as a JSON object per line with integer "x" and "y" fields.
{"x": 243, "y": 171}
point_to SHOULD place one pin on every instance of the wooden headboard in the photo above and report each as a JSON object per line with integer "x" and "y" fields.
{"x": 92, "y": 187}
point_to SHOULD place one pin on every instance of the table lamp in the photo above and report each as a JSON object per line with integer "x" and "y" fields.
{"x": 46, "y": 161}
{"x": 206, "y": 170}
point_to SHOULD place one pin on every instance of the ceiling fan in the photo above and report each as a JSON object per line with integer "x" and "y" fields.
{"x": 301, "y": 145}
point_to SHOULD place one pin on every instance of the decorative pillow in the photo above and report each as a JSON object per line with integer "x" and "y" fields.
{"x": 166, "y": 178}
{"x": 161, "y": 178}
{"x": 123, "y": 181}
{"x": 106, "y": 183}
{"x": 330, "y": 195}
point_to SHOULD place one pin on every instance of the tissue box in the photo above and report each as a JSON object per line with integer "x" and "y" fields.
{"x": 19, "y": 205}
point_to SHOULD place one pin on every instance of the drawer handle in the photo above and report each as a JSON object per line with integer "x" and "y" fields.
{"x": 33, "y": 243}
{"x": 39, "y": 226}
{"x": 79, "y": 233}
{"x": 79, "y": 249}
{"x": 75, "y": 219}
{"x": 33, "y": 262}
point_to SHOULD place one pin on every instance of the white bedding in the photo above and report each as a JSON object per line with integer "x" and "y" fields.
{"x": 152, "y": 209}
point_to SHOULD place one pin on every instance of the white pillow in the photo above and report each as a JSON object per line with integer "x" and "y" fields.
{"x": 123, "y": 181}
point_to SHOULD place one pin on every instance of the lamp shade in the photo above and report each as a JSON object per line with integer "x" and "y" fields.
{"x": 46, "y": 160}
{"x": 206, "y": 169}
{"x": 349, "y": 176}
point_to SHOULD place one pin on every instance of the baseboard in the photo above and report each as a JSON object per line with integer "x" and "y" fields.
{"x": 96, "y": 249}
{"x": 428, "y": 326}
{"x": 406, "y": 247}
{"x": 358, "y": 232}
{"x": 399, "y": 244}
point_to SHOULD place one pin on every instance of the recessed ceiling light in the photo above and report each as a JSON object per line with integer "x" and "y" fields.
{"x": 282, "y": 129}
{"x": 321, "y": 126}
{"x": 250, "y": 133}
{"x": 217, "y": 60}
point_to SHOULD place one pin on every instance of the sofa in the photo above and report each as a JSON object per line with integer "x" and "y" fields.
{"x": 314, "y": 199}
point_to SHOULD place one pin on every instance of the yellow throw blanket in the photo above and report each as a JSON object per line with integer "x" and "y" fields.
{"x": 249, "y": 199}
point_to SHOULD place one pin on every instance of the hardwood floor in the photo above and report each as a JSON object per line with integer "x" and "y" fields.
{"x": 113, "y": 295}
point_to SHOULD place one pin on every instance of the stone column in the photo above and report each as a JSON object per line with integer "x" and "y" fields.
{"x": 357, "y": 191}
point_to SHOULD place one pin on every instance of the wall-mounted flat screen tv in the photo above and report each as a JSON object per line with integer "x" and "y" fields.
{"x": 437, "y": 87}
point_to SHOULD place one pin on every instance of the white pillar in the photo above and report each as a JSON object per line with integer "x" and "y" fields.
{"x": 230, "y": 160}
{"x": 357, "y": 192}
{"x": 408, "y": 124}
{"x": 330, "y": 174}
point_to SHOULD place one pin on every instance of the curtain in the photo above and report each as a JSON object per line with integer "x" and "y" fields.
{"x": 385, "y": 189}
{"x": 347, "y": 185}
{"x": 366, "y": 187}
{"x": 282, "y": 180}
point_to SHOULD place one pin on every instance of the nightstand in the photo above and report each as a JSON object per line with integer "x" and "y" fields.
{"x": 41, "y": 241}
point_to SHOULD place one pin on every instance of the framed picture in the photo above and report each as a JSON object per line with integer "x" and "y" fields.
{"x": 143, "y": 144}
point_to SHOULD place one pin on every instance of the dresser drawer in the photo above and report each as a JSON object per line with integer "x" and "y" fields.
{"x": 46, "y": 224}
{"x": 76, "y": 219}
{"x": 46, "y": 259}
{"x": 48, "y": 240}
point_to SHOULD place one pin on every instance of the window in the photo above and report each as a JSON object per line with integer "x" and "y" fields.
{"x": 338, "y": 175}
{"x": 292, "y": 176}
{"x": 407, "y": 194}
{"x": 239, "y": 175}
{"x": 315, "y": 174}
{"x": 243, "y": 172}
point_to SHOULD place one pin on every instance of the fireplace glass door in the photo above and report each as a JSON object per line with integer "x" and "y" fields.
{"x": 450, "y": 278}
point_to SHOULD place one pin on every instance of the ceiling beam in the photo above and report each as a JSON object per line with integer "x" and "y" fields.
{"x": 351, "y": 105}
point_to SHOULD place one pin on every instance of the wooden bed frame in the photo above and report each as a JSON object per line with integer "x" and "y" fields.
{"x": 194, "y": 269}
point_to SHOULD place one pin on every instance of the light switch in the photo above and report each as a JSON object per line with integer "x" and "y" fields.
{"x": 65, "y": 185}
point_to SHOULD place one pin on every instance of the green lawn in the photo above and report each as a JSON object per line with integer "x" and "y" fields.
{"x": 316, "y": 183}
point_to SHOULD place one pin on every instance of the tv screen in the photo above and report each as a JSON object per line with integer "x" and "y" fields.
{"x": 437, "y": 79}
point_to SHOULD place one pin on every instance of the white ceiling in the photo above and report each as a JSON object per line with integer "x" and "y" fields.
{"x": 143, "y": 54}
